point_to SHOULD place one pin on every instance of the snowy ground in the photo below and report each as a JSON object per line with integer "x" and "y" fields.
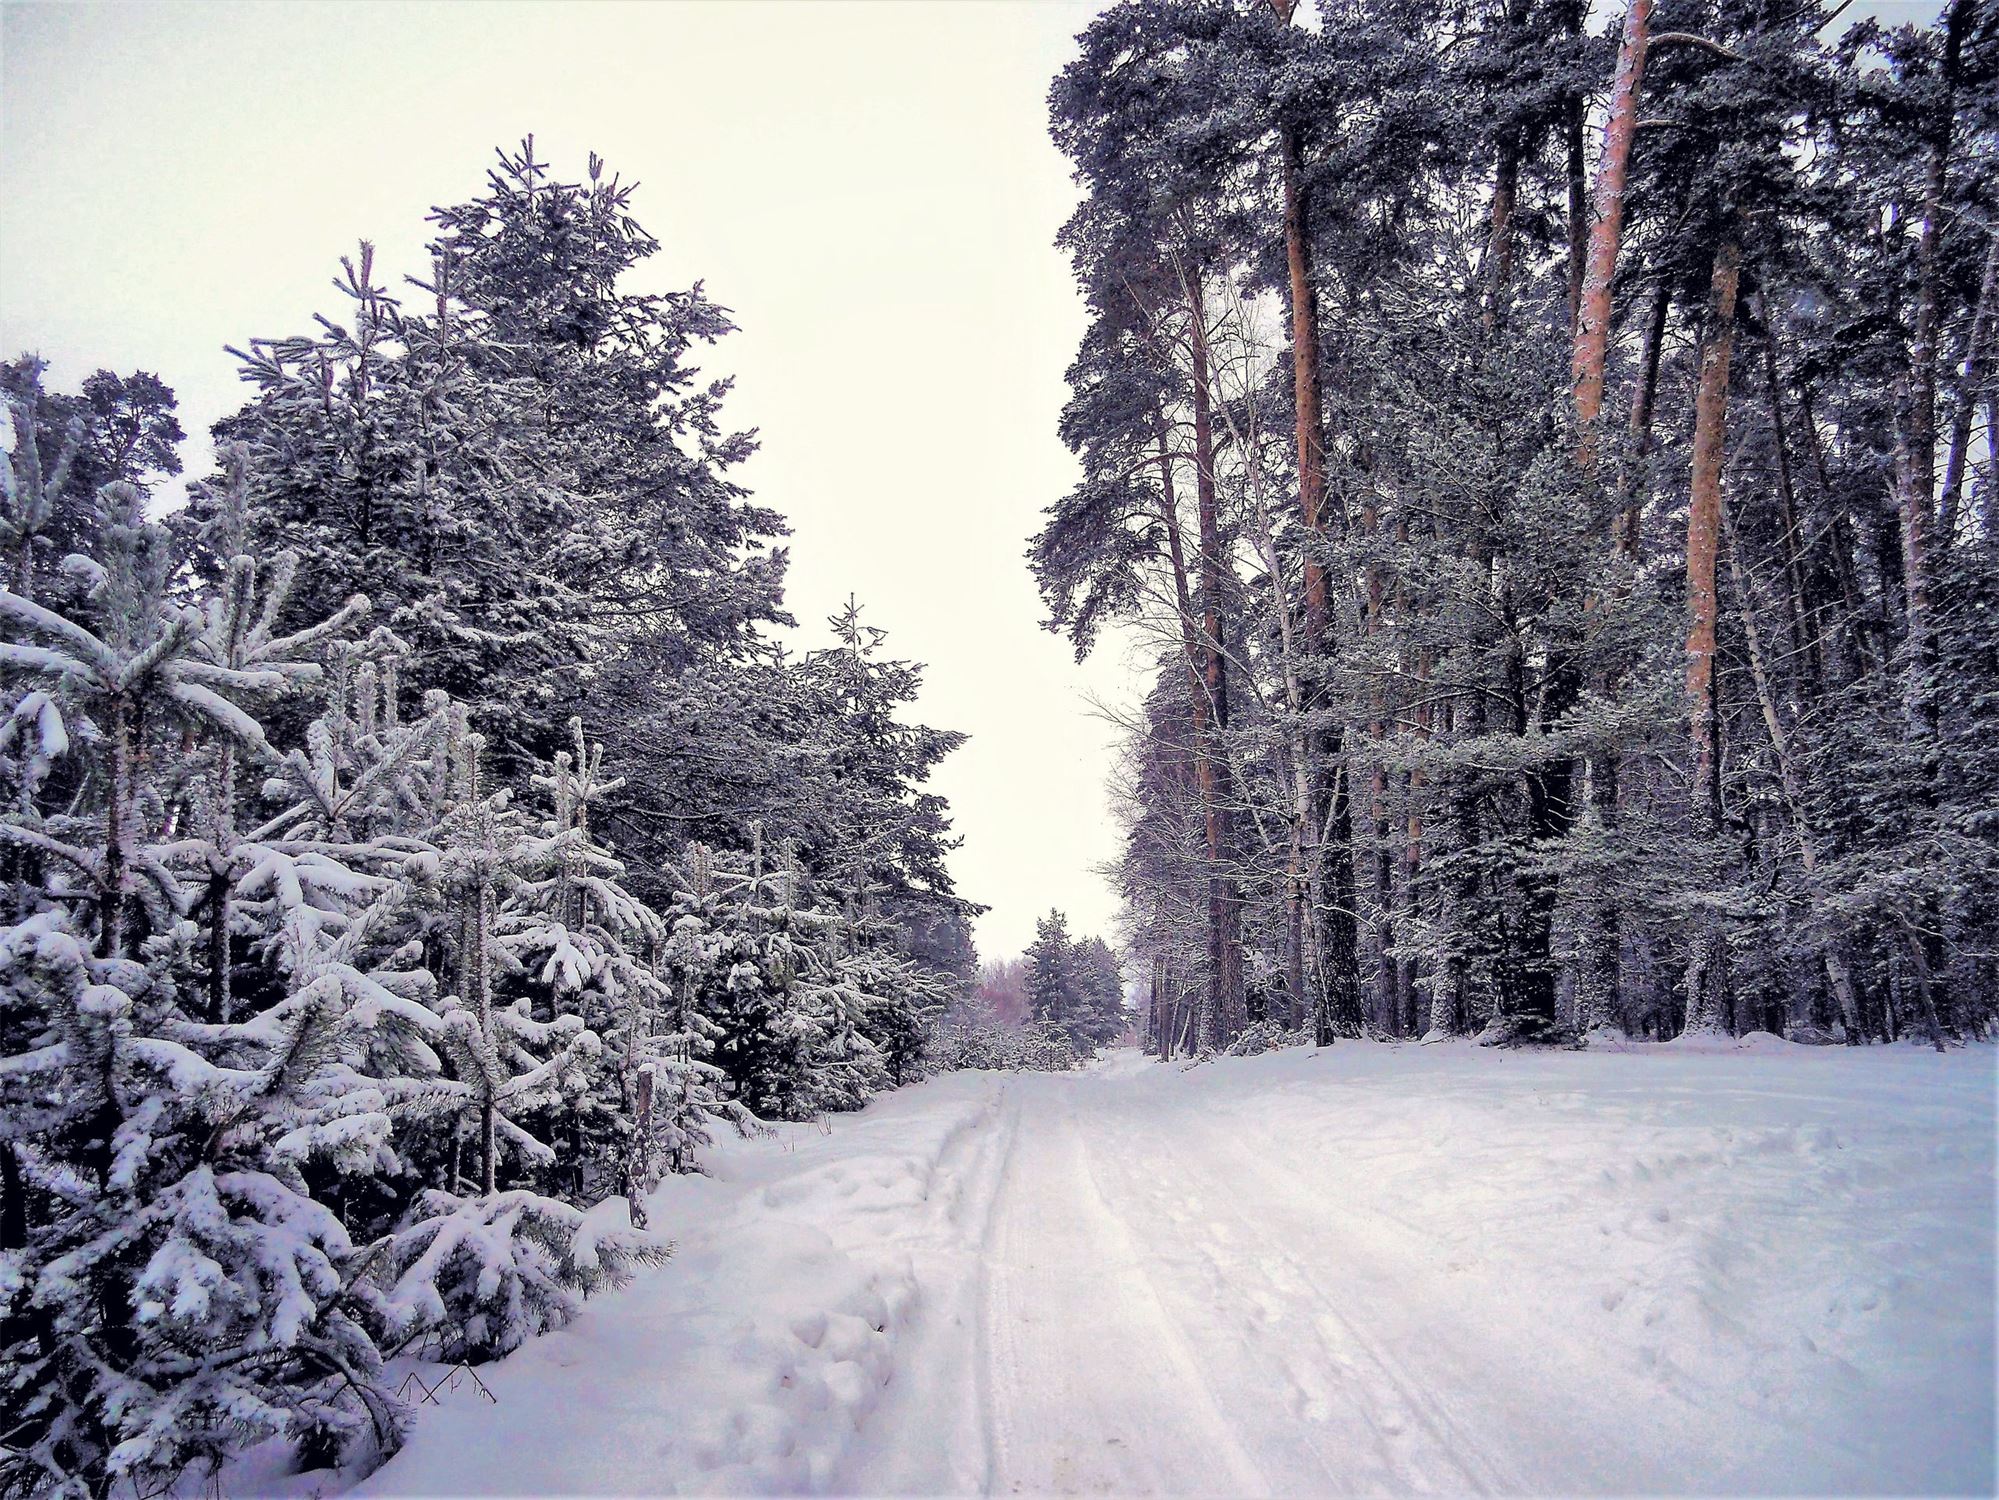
{"x": 1370, "y": 1269}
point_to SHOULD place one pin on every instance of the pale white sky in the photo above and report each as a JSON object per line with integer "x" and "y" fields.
{"x": 869, "y": 187}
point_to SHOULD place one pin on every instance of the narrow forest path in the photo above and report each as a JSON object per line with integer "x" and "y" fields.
{"x": 1373, "y": 1270}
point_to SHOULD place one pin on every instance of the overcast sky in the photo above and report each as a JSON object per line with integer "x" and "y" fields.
{"x": 870, "y": 188}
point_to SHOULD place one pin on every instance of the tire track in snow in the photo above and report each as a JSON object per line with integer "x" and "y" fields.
{"x": 930, "y": 1434}
{"x": 1092, "y": 1388}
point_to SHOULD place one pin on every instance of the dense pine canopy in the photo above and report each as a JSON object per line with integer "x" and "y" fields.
{"x": 1570, "y": 552}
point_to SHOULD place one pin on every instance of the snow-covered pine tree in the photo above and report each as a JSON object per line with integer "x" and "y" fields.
{"x": 471, "y": 1270}
{"x": 735, "y": 960}
{"x": 585, "y": 946}
{"x": 117, "y": 427}
{"x": 239, "y": 633}
{"x": 171, "y": 1288}
{"x": 877, "y": 1004}
{"x": 1051, "y": 977}
{"x": 690, "y": 1091}
{"x": 1100, "y": 983}
{"x": 393, "y": 453}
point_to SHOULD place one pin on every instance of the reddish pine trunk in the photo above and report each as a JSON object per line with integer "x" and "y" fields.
{"x": 1505, "y": 192}
{"x": 1632, "y": 482}
{"x": 1309, "y": 436}
{"x": 1704, "y": 528}
{"x": 1607, "y": 225}
{"x": 1201, "y": 700}
{"x": 1309, "y": 421}
{"x": 1707, "y": 1007}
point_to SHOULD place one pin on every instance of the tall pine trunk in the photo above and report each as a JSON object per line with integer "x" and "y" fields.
{"x": 1592, "y": 342}
{"x": 1325, "y": 850}
{"x": 1225, "y": 995}
{"x": 1644, "y": 400}
{"x": 119, "y": 816}
{"x": 1916, "y": 455}
{"x": 1976, "y": 373}
{"x": 1707, "y": 963}
{"x": 1797, "y": 802}
{"x": 1200, "y": 696}
{"x": 221, "y": 883}
{"x": 1302, "y": 883}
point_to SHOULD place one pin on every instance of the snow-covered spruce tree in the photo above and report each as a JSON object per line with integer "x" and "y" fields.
{"x": 339, "y": 904}
{"x": 397, "y": 462}
{"x": 1075, "y": 985}
{"x": 690, "y": 1091}
{"x": 1100, "y": 984}
{"x": 584, "y": 946}
{"x": 628, "y": 441}
{"x": 803, "y": 992}
{"x": 398, "y": 807}
{"x": 735, "y": 955}
{"x": 507, "y": 1061}
{"x": 814, "y": 750}
{"x": 519, "y": 461}
{"x": 238, "y": 624}
{"x": 903, "y": 999}
{"x": 471, "y": 1271}
{"x": 171, "y": 1289}
{"x": 1051, "y": 978}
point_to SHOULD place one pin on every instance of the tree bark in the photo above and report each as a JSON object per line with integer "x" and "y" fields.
{"x": 1499, "y": 243}
{"x": 1613, "y": 171}
{"x": 1301, "y": 881}
{"x": 1977, "y": 359}
{"x": 220, "y": 885}
{"x": 1704, "y": 526}
{"x": 1224, "y": 907}
{"x": 1791, "y": 779}
{"x": 1706, "y": 977}
{"x": 1575, "y": 16}
{"x": 1798, "y": 619}
{"x": 1916, "y": 460}
{"x": 638, "y": 1156}
{"x": 1505, "y": 194}
{"x": 118, "y": 814}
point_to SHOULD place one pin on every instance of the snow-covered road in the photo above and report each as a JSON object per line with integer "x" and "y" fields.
{"x": 1371, "y": 1269}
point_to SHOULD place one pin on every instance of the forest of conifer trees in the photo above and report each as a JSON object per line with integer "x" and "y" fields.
{"x": 327, "y": 1008}
{"x": 1570, "y": 554}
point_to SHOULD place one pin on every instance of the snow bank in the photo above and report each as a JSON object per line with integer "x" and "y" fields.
{"x": 750, "y": 1362}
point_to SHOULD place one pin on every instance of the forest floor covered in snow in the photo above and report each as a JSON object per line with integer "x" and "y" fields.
{"x": 1367, "y": 1269}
